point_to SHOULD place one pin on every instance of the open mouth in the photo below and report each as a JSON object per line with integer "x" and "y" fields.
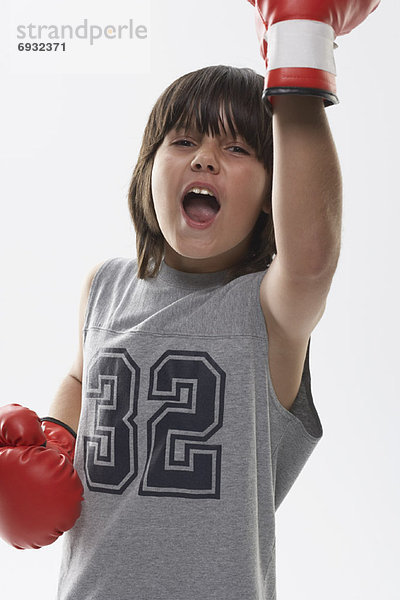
{"x": 200, "y": 207}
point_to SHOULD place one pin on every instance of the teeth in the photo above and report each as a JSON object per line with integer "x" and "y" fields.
{"x": 201, "y": 191}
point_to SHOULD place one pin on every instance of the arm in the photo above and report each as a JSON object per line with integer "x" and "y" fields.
{"x": 307, "y": 188}
{"x": 297, "y": 43}
{"x": 66, "y": 406}
{"x": 40, "y": 491}
{"x": 307, "y": 214}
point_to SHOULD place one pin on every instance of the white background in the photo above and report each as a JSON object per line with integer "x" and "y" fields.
{"x": 69, "y": 144}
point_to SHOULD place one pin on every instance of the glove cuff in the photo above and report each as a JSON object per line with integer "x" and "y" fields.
{"x": 57, "y": 422}
{"x": 61, "y": 435}
{"x": 300, "y": 61}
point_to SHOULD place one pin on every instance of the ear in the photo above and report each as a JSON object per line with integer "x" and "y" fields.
{"x": 266, "y": 208}
{"x": 266, "y": 205}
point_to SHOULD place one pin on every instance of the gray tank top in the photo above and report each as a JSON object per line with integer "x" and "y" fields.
{"x": 183, "y": 448}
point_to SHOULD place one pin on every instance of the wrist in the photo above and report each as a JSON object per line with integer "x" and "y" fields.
{"x": 298, "y": 109}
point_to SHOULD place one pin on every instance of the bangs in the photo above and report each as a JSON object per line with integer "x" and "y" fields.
{"x": 201, "y": 99}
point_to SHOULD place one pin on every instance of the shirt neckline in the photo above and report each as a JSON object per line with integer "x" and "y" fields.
{"x": 190, "y": 280}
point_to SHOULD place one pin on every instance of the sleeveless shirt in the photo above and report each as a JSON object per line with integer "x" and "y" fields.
{"x": 183, "y": 448}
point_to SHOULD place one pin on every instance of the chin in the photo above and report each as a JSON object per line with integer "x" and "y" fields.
{"x": 192, "y": 250}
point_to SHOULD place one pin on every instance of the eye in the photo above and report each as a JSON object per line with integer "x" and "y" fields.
{"x": 239, "y": 149}
{"x": 183, "y": 142}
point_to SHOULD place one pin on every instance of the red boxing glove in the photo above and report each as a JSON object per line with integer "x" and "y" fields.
{"x": 40, "y": 491}
{"x": 297, "y": 43}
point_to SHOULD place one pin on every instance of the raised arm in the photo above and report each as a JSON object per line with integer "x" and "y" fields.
{"x": 297, "y": 42}
{"x": 307, "y": 209}
{"x": 307, "y": 188}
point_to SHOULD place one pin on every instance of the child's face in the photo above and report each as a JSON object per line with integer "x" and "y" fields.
{"x": 239, "y": 181}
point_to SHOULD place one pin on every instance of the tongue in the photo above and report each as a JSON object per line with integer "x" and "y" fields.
{"x": 199, "y": 210}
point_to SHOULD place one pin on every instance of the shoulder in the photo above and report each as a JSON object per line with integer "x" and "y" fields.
{"x": 109, "y": 269}
{"x": 89, "y": 294}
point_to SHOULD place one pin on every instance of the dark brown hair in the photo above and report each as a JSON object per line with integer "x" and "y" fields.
{"x": 196, "y": 98}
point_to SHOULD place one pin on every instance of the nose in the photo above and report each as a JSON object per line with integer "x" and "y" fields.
{"x": 205, "y": 158}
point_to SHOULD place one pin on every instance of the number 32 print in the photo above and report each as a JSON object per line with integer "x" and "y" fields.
{"x": 180, "y": 460}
